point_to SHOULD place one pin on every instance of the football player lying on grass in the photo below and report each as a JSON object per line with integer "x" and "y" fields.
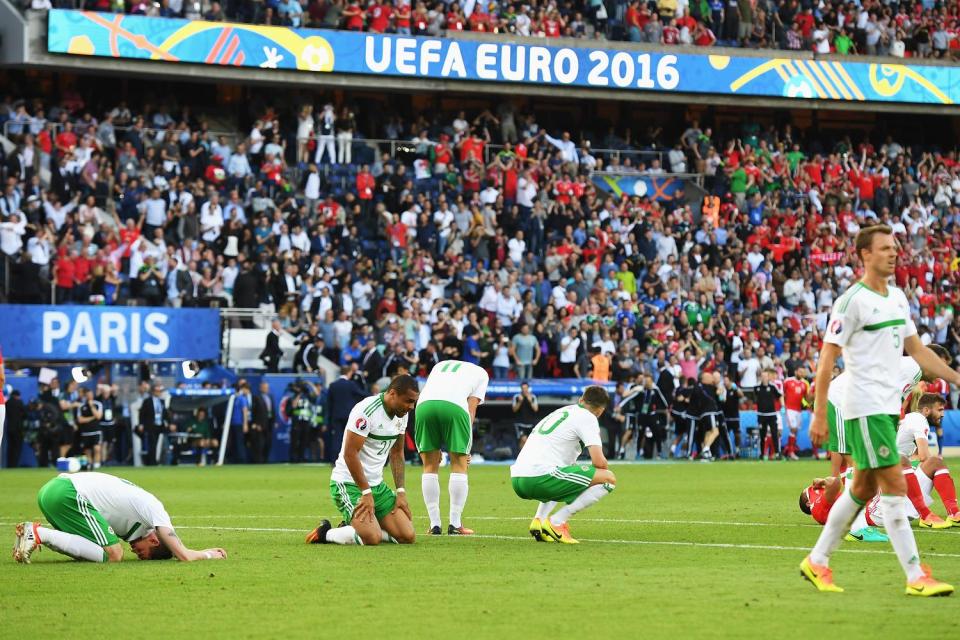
{"x": 817, "y": 499}
{"x": 90, "y": 513}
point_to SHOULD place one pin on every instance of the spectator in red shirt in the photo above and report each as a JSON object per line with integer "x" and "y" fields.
{"x": 398, "y": 234}
{"x": 671, "y": 34}
{"x": 65, "y": 275}
{"x": 703, "y": 36}
{"x": 66, "y": 139}
{"x": 365, "y": 186}
{"x": 380, "y": 14}
{"x": 353, "y": 17}
{"x": 455, "y": 18}
{"x": 402, "y": 18}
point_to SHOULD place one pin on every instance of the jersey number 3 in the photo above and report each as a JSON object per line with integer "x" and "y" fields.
{"x": 545, "y": 429}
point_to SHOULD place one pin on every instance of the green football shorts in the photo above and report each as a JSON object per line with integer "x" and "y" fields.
{"x": 872, "y": 441}
{"x": 438, "y": 423}
{"x": 68, "y": 512}
{"x": 563, "y": 484}
{"x": 837, "y": 439}
{"x": 346, "y": 495}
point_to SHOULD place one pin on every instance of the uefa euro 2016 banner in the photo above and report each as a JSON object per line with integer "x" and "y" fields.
{"x": 310, "y": 50}
{"x": 75, "y": 333}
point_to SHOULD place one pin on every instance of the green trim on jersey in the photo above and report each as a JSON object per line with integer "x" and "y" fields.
{"x": 848, "y": 296}
{"x": 883, "y": 325}
{"x": 373, "y": 406}
{"x": 873, "y": 441}
{"x": 446, "y": 367}
{"x": 376, "y": 437}
{"x": 563, "y": 484}
{"x": 69, "y": 512}
{"x": 867, "y": 287}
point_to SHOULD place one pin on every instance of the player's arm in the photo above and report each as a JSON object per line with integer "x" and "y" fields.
{"x": 828, "y": 357}
{"x": 398, "y": 469}
{"x": 929, "y": 361}
{"x": 923, "y": 448}
{"x": 832, "y": 489}
{"x": 351, "y": 455}
{"x": 170, "y": 539}
{"x": 597, "y": 458}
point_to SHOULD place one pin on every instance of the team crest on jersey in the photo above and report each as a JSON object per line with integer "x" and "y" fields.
{"x": 836, "y": 327}
{"x": 361, "y": 424}
{"x": 883, "y": 451}
{"x": 584, "y": 467}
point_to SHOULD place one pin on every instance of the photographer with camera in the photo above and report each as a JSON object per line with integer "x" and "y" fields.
{"x": 300, "y": 408}
{"x": 89, "y": 414}
{"x": 525, "y": 407}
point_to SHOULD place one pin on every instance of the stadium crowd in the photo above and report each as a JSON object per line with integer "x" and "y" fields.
{"x": 508, "y": 256}
{"x": 902, "y": 29}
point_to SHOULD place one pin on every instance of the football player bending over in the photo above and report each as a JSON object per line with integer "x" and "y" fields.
{"x": 929, "y": 469}
{"x": 89, "y": 513}
{"x": 546, "y": 468}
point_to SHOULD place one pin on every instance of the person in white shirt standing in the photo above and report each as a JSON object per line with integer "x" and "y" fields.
{"x": 445, "y": 414}
{"x": 546, "y": 469}
{"x": 90, "y": 513}
{"x": 871, "y": 328}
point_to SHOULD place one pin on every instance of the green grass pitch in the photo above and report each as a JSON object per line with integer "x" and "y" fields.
{"x": 678, "y": 550}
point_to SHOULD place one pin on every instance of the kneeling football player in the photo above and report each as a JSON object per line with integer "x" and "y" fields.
{"x": 546, "y": 468}
{"x": 375, "y": 432}
{"x": 89, "y": 513}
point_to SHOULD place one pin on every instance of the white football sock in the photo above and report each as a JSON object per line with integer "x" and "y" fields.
{"x": 386, "y": 537}
{"x": 586, "y": 499}
{"x": 901, "y": 535}
{"x": 344, "y": 535}
{"x": 544, "y": 510}
{"x": 842, "y": 514}
{"x": 430, "y": 487}
{"x": 459, "y": 489}
{"x": 77, "y": 547}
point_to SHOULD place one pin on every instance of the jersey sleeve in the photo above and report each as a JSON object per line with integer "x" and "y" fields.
{"x": 358, "y": 423}
{"x": 589, "y": 431}
{"x": 479, "y": 390}
{"x": 910, "y": 373}
{"x": 842, "y": 321}
{"x": 154, "y": 514}
{"x": 916, "y": 426}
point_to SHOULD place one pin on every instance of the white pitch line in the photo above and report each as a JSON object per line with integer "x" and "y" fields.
{"x": 710, "y": 523}
{"x": 669, "y": 543}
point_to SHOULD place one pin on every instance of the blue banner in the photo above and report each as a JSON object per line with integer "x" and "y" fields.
{"x": 662, "y": 188}
{"x": 310, "y": 50}
{"x": 559, "y": 387}
{"x": 77, "y": 333}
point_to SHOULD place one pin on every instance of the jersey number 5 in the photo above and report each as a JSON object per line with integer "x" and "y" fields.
{"x": 544, "y": 429}
{"x": 896, "y": 337}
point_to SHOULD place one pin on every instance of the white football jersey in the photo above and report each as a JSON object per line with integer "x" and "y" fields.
{"x": 556, "y": 441}
{"x": 913, "y": 426}
{"x": 369, "y": 419}
{"x": 128, "y": 509}
{"x": 455, "y": 381}
{"x": 871, "y": 329}
{"x": 907, "y": 375}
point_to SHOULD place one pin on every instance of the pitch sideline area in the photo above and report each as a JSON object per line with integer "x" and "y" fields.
{"x": 695, "y": 549}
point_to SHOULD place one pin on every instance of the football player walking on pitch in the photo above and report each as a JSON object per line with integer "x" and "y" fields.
{"x": 870, "y": 326}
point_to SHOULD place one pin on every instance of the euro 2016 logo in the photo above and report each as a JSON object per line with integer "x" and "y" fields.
{"x": 361, "y": 424}
{"x": 836, "y": 327}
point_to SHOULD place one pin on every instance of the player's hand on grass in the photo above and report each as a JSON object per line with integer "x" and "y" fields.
{"x": 403, "y": 505}
{"x": 818, "y": 430}
{"x": 364, "y": 510}
{"x": 214, "y": 554}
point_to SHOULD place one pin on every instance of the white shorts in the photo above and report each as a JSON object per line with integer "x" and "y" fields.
{"x": 793, "y": 419}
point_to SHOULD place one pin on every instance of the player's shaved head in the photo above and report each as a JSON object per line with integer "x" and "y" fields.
{"x": 401, "y": 395}
{"x": 403, "y": 384}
